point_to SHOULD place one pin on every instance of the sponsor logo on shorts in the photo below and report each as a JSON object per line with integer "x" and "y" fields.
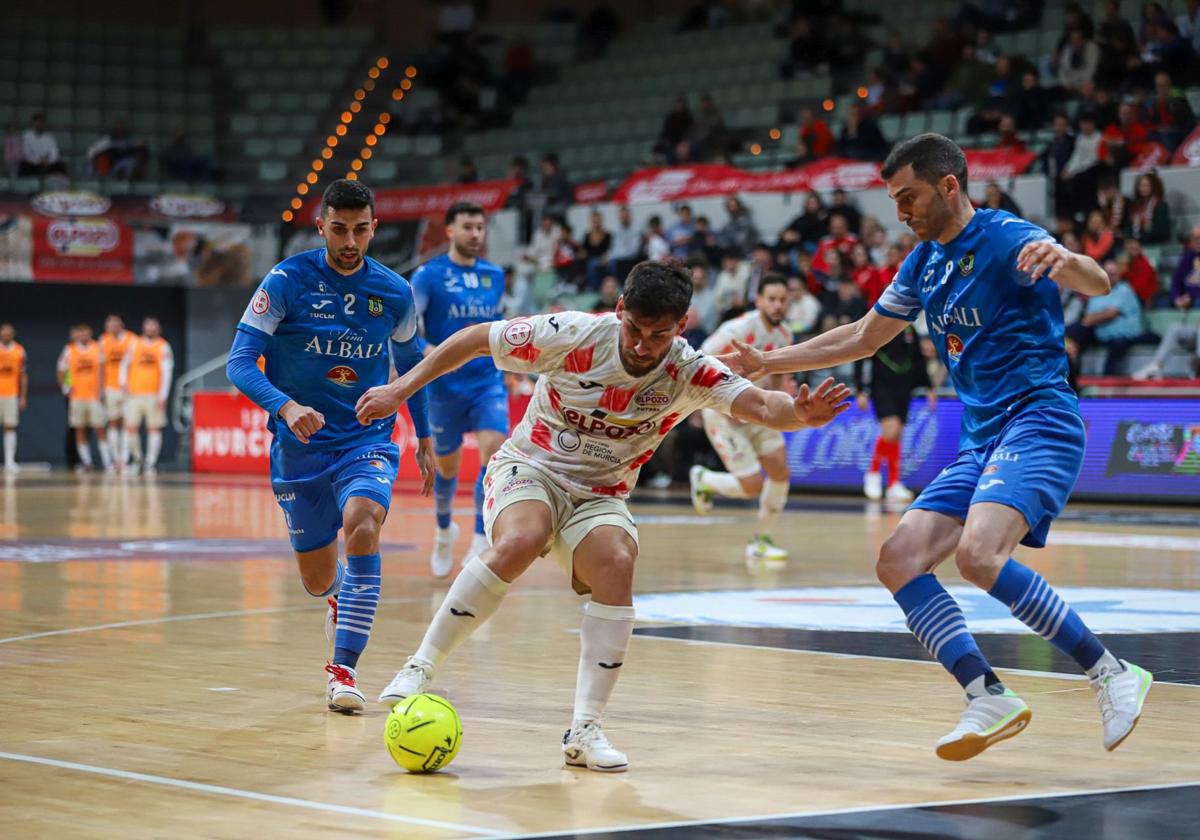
{"x": 285, "y": 497}
{"x": 651, "y": 399}
{"x": 260, "y": 303}
{"x": 517, "y": 484}
{"x": 342, "y": 375}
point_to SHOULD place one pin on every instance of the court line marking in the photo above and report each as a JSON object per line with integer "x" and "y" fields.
{"x": 861, "y": 809}
{"x": 220, "y": 790}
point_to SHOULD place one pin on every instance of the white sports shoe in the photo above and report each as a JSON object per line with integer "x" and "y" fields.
{"x": 702, "y": 494}
{"x": 341, "y": 692}
{"x": 331, "y": 619}
{"x": 1120, "y": 696}
{"x": 412, "y": 679}
{"x": 441, "y": 562}
{"x": 873, "y": 486}
{"x": 1150, "y": 371}
{"x": 585, "y": 745}
{"x": 897, "y": 492}
{"x": 988, "y": 720}
{"x": 479, "y": 544}
{"x": 761, "y": 551}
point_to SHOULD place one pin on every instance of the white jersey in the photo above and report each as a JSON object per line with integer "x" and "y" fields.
{"x": 749, "y": 328}
{"x": 590, "y": 425}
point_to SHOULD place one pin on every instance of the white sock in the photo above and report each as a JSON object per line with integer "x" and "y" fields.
{"x": 153, "y": 446}
{"x": 724, "y": 484}
{"x": 1106, "y": 660}
{"x": 603, "y": 639}
{"x": 105, "y": 454}
{"x": 134, "y": 441}
{"x": 771, "y": 502}
{"x": 10, "y": 446}
{"x": 122, "y": 446}
{"x": 85, "y": 453}
{"x": 472, "y": 600}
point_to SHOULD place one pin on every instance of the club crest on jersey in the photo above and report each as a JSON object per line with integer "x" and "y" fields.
{"x": 342, "y": 375}
{"x": 377, "y": 464}
{"x": 518, "y": 333}
{"x": 954, "y": 347}
{"x": 374, "y": 306}
{"x": 261, "y": 302}
{"x": 967, "y": 264}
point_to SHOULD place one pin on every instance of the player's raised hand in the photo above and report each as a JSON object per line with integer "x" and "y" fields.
{"x": 302, "y": 420}
{"x": 818, "y": 408}
{"x": 1046, "y": 257}
{"x": 427, "y": 463}
{"x": 380, "y": 402}
{"x": 745, "y": 361}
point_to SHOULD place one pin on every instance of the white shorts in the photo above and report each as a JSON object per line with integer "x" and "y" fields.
{"x": 740, "y": 444}
{"x": 510, "y": 480}
{"x": 114, "y": 404}
{"x": 9, "y": 415}
{"x": 144, "y": 407}
{"x": 85, "y": 414}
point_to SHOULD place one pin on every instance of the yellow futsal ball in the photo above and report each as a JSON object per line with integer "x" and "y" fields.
{"x": 423, "y": 733}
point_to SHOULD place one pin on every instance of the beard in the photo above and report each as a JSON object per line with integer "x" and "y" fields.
{"x": 349, "y": 263}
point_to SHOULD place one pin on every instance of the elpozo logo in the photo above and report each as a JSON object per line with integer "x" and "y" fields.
{"x": 186, "y": 206}
{"x": 71, "y": 203}
{"x": 82, "y": 237}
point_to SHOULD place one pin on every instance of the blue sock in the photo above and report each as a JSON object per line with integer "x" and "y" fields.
{"x": 356, "y": 608}
{"x": 334, "y": 588}
{"x": 443, "y": 495}
{"x": 937, "y": 621}
{"x": 479, "y": 503}
{"x": 1034, "y": 603}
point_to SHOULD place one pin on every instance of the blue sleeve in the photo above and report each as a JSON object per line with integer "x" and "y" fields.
{"x": 242, "y": 370}
{"x": 1015, "y": 234}
{"x": 405, "y": 356}
{"x": 900, "y": 299}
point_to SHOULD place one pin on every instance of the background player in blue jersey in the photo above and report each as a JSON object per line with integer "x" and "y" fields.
{"x": 327, "y": 322}
{"x": 452, "y": 292}
{"x": 987, "y": 283}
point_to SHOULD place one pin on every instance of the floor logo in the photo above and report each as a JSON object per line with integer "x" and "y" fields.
{"x": 872, "y": 608}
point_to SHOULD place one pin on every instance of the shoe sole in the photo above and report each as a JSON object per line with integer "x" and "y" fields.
{"x": 433, "y": 568}
{"x": 972, "y": 745}
{"x": 347, "y": 704}
{"x": 1149, "y": 682}
{"x": 598, "y": 768}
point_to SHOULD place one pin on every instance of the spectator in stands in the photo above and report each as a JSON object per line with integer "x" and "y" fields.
{"x": 14, "y": 151}
{"x": 1088, "y": 162}
{"x": 1168, "y": 50}
{"x": 987, "y": 118}
{"x": 843, "y": 303}
{"x": 839, "y": 239}
{"x": 801, "y": 156}
{"x": 555, "y": 187}
{"x": 627, "y": 242}
{"x": 39, "y": 150}
{"x": 119, "y": 154}
{"x": 803, "y": 309}
{"x": 732, "y": 284}
{"x": 1099, "y": 241}
{"x": 1168, "y": 113}
{"x": 1113, "y": 26}
{"x": 739, "y": 232}
{"x": 807, "y": 229}
{"x": 539, "y": 256}
{"x": 707, "y": 137}
{"x": 1127, "y": 138}
{"x": 1078, "y": 61}
{"x": 467, "y": 173}
{"x": 808, "y": 49}
{"x": 679, "y": 235}
{"x": 1185, "y": 297}
{"x": 1031, "y": 104}
{"x": 1009, "y": 140}
{"x": 815, "y": 133}
{"x": 861, "y": 138}
{"x": 865, "y": 275}
{"x": 967, "y": 83}
{"x": 1189, "y": 24}
{"x": 1053, "y": 158}
{"x": 610, "y": 290}
{"x": 762, "y": 263}
{"x": 876, "y": 86}
{"x": 675, "y": 128}
{"x": 841, "y": 204}
{"x": 518, "y": 170}
{"x": 1113, "y": 321}
{"x": 875, "y": 238}
{"x": 181, "y": 163}
{"x": 705, "y": 242}
{"x": 995, "y": 198}
{"x": 657, "y": 247}
{"x": 1110, "y": 202}
{"x": 1120, "y": 59}
{"x": 597, "y": 252}
{"x": 1140, "y": 272}
{"x": 1149, "y": 219}
{"x": 704, "y": 296}
{"x": 568, "y": 261}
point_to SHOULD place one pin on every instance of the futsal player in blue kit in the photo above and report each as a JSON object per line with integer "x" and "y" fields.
{"x": 452, "y": 292}
{"x": 330, "y": 323}
{"x": 988, "y": 283}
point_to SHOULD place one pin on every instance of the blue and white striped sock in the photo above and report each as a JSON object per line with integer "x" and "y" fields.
{"x": 1035, "y": 604}
{"x": 443, "y": 497}
{"x": 937, "y": 621}
{"x": 357, "y": 603}
{"x": 479, "y": 501}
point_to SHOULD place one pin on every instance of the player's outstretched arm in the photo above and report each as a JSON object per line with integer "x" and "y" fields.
{"x": 451, "y": 354}
{"x": 846, "y": 343}
{"x": 777, "y": 410}
{"x": 1066, "y": 268}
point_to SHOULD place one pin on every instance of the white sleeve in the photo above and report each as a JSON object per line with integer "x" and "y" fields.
{"x": 709, "y": 383}
{"x": 406, "y": 326}
{"x": 167, "y": 368}
{"x": 537, "y": 343}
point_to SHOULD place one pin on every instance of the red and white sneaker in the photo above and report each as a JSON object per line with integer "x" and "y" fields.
{"x": 341, "y": 692}
{"x": 331, "y": 619}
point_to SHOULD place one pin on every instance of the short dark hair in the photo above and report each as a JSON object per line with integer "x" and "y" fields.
{"x": 655, "y": 289}
{"x": 771, "y": 278}
{"x": 931, "y": 156}
{"x": 344, "y": 194}
{"x": 468, "y": 208}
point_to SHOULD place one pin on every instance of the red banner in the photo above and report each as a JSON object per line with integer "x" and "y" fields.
{"x": 84, "y": 249}
{"x": 1188, "y": 153}
{"x": 229, "y": 435}
{"x": 591, "y": 192}
{"x": 675, "y": 183}
{"x": 421, "y": 202}
{"x": 1154, "y": 156}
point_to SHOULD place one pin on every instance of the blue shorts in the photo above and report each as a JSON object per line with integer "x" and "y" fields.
{"x": 453, "y": 415}
{"x": 313, "y": 487}
{"x": 1030, "y": 467}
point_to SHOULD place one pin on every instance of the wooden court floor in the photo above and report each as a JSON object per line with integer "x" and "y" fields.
{"x": 163, "y": 672}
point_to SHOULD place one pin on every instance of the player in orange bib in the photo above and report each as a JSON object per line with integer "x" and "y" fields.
{"x": 14, "y": 388}
{"x": 114, "y": 344}
{"x": 146, "y": 380}
{"x": 80, "y": 374}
